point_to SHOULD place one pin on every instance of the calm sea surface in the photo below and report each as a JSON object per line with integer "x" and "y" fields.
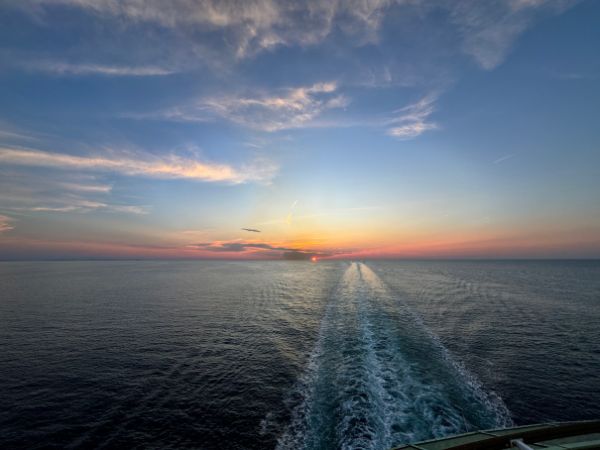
{"x": 259, "y": 355}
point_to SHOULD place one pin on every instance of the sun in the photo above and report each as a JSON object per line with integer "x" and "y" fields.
{"x": 313, "y": 259}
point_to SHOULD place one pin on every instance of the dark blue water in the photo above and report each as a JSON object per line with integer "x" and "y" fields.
{"x": 246, "y": 355}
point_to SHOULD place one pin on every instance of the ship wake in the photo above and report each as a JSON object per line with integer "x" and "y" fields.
{"x": 377, "y": 377}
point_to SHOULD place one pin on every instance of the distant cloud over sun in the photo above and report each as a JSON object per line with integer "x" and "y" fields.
{"x": 5, "y": 224}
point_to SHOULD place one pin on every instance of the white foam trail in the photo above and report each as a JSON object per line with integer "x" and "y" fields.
{"x": 490, "y": 399}
{"x": 359, "y": 390}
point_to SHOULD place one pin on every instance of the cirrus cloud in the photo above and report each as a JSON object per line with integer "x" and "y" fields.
{"x": 76, "y": 69}
{"x": 287, "y": 109}
{"x": 249, "y": 27}
{"x": 170, "y": 166}
{"x": 61, "y": 193}
{"x": 228, "y": 29}
{"x": 413, "y": 120}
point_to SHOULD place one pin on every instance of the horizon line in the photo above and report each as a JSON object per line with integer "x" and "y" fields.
{"x": 100, "y": 259}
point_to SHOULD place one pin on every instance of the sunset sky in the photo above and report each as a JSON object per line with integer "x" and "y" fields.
{"x": 342, "y": 129}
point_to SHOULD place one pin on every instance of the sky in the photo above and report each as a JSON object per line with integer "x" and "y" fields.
{"x": 333, "y": 129}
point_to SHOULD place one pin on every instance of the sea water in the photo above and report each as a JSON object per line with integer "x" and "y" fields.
{"x": 326, "y": 355}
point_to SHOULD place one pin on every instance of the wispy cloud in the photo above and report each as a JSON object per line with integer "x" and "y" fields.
{"x": 171, "y": 166}
{"x": 296, "y": 107}
{"x": 573, "y": 76}
{"x": 489, "y": 29}
{"x": 288, "y": 218}
{"x": 45, "y": 193}
{"x": 5, "y": 224}
{"x": 75, "y": 69}
{"x": 517, "y": 5}
{"x": 221, "y": 33}
{"x": 413, "y": 120}
{"x": 98, "y": 188}
{"x": 249, "y": 26}
{"x": 503, "y": 158}
{"x": 301, "y": 107}
{"x": 7, "y": 135}
{"x": 84, "y": 206}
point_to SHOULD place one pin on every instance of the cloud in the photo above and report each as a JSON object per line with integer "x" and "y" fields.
{"x": 413, "y": 120}
{"x": 258, "y": 248}
{"x": 166, "y": 167}
{"x": 517, "y": 5}
{"x": 298, "y": 256}
{"x": 249, "y": 26}
{"x": 73, "y": 69}
{"x": 5, "y": 224}
{"x": 503, "y": 158}
{"x": 236, "y": 246}
{"x": 98, "y": 188}
{"x": 288, "y": 218}
{"x": 291, "y": 108}
{"x": 11, "y": 134}
{"x": 302, "y": 107}
{"x": 128, "y": 37}
{"x": 573, "y": 76}
{"x": 354, "y": 42}
{"x": 60, "y": 193}
{"x": 489, "y": 29}
{"x": 82, "y": 205}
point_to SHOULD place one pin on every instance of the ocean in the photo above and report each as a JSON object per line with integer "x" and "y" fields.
{"x": 292, "y": 354}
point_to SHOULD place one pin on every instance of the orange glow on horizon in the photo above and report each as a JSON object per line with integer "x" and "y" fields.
{"x": 368, "y": 243}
